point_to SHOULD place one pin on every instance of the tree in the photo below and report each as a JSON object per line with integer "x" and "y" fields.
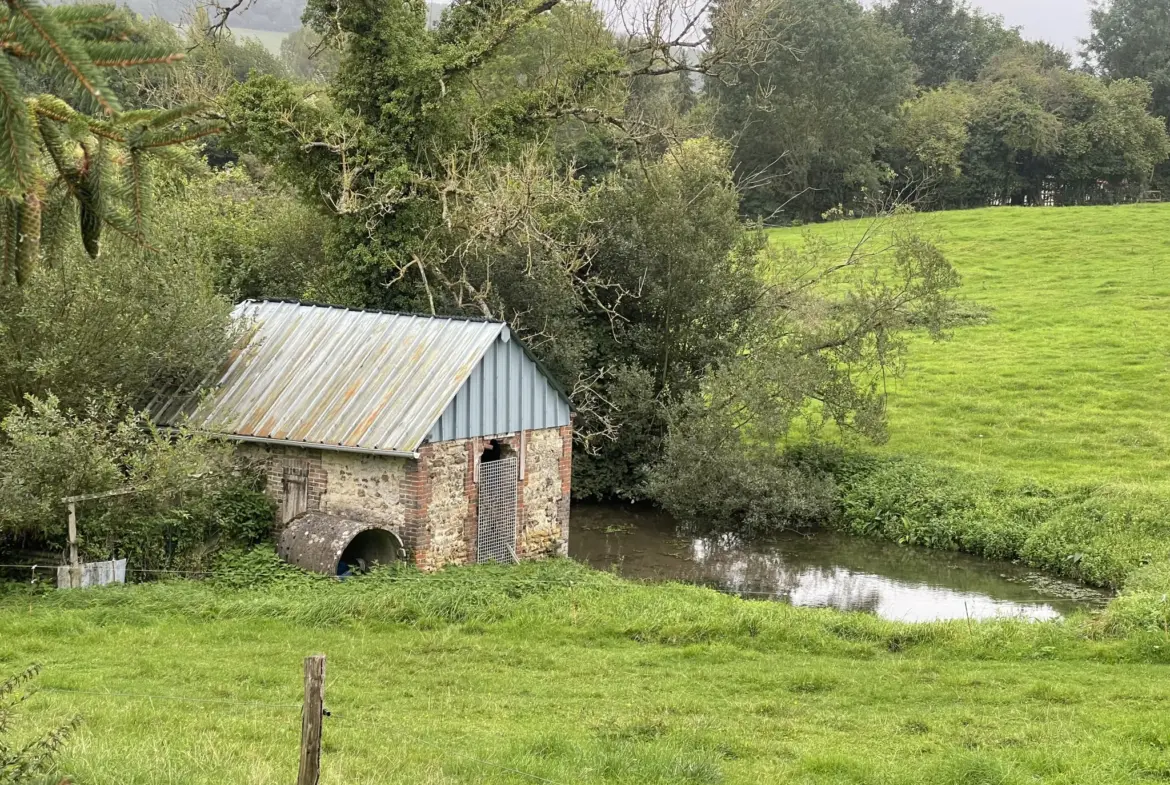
{"x": 82, "y": 157}
{"x": 679, "y": 299}
{"x": 448, "y": 162}
{"x": 306, "y": 56}
{"x": 1035, "y": 129}
{"x": 833, "y": 333}
{"x": 251, "y": 236}
{"x": 806, "y": 122}
{"x": 1108, "y": 138}
{"x": 933, "y": 133}
{"x": 948, "y": 39}
{"x": 140, "y": 322}
{"x": 1131, "y": 39}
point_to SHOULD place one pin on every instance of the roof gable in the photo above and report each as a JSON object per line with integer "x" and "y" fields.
{"x": 506, "y": 392}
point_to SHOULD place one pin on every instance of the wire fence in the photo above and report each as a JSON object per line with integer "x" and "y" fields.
{"x": 400, "y": 733}
{"x": 449, "y": 752}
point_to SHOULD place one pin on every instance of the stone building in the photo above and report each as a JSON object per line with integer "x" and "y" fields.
{"x": 386, "y": 435}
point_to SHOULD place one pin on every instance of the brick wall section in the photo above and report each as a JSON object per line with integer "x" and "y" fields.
{"x": 272, "y": 459}
{"x": 416, "y": 534}
{"x": 471, "y": 493}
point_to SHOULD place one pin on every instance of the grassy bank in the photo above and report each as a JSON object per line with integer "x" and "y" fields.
{"x": 1097, "y": 535}
{"x": 1040, "y": 435}
{"x": 477, "y": 674}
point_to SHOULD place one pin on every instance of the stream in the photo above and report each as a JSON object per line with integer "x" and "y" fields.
{"x": 822, "y": 569}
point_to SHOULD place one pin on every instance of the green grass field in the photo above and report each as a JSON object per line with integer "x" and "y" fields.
{"x": 1070, "y": 381}
{"x": 473, "y": 676}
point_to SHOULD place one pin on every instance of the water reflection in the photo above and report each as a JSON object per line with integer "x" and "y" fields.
{"x": 822, "y": 570}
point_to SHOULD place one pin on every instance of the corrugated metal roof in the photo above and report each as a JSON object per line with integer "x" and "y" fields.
{"x": 337, "y": 378}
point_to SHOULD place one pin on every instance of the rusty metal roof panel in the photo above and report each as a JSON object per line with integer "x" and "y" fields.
{"x": 337, "y": 378}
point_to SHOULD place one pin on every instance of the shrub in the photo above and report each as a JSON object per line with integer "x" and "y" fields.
{"x": 188, "y": 500}
{"x": 1144, "y": 604}
{"x": 49, "y": 452}
{"x": 187, "y": 537}
{"x": 749, "y": 491}
{"x": 1095, "y": 535}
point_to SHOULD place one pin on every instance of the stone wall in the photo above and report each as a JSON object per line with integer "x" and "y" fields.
{"x": 544, "y": 523}
{"x": 370, "y": 488}
{"x": 443, "y": 505}
{"x": 431, "y": 503}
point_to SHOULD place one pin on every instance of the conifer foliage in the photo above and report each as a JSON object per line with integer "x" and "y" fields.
{"x": 29, "y": 762}
{"x": 69, "y": 152}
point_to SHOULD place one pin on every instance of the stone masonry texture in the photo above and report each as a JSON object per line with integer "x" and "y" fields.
{"x": 443, "y": 469}
{"x": 430, "y": 503}
{"x": 541, "y": 531}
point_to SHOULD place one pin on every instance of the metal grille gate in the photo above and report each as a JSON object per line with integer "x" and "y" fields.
{"x": 496, "y": 530}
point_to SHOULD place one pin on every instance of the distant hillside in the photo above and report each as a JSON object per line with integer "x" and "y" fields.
{"x": 281, "y": 16}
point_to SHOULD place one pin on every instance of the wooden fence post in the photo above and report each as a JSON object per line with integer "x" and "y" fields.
{"x": 313, "y": 712}
{"x": 74, "y": 561}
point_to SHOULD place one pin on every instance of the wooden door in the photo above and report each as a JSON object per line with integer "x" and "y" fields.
{"x": 294, "y": 496}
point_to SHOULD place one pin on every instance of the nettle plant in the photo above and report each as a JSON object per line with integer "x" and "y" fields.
{"x": 69, "y": 154}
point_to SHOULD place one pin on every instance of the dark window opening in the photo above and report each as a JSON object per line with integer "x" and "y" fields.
{"x": 371, "y": 547}
{"x": 495, "y": 451}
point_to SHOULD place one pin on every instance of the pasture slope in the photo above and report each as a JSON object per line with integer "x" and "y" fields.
{"x": 1069, "y": 381}
{"x": 551, "y": 673}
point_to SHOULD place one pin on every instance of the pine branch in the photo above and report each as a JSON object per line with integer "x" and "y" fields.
{"x": 59, "y": 45}
{"x": 54, "y": 142}
{"x": 54, "y": 108}
{"x": 179, "y": 158}
{"x": 139, "y": 171}
{"x": 120, "y": 54}
{"x": 180, "y": 136}
{"x": 95, "y": 22}
{"x": 122, "y": 227}
{"x": 85, "y": 14}
{"x": 16, "y": 147}
{"x": 178, "y": 113}
{"x": 58, "y": 219}
{"x": 14, "y": 48}
{"x": 91, "y": 199}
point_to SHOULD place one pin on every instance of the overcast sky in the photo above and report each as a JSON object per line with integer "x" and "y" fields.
{"x": 1061, "y": 22}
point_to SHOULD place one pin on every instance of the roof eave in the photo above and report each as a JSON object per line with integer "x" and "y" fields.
{"x": 235, "y": 437}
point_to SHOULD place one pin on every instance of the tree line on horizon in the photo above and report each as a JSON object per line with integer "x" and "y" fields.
{"x": 939, "y": 101}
